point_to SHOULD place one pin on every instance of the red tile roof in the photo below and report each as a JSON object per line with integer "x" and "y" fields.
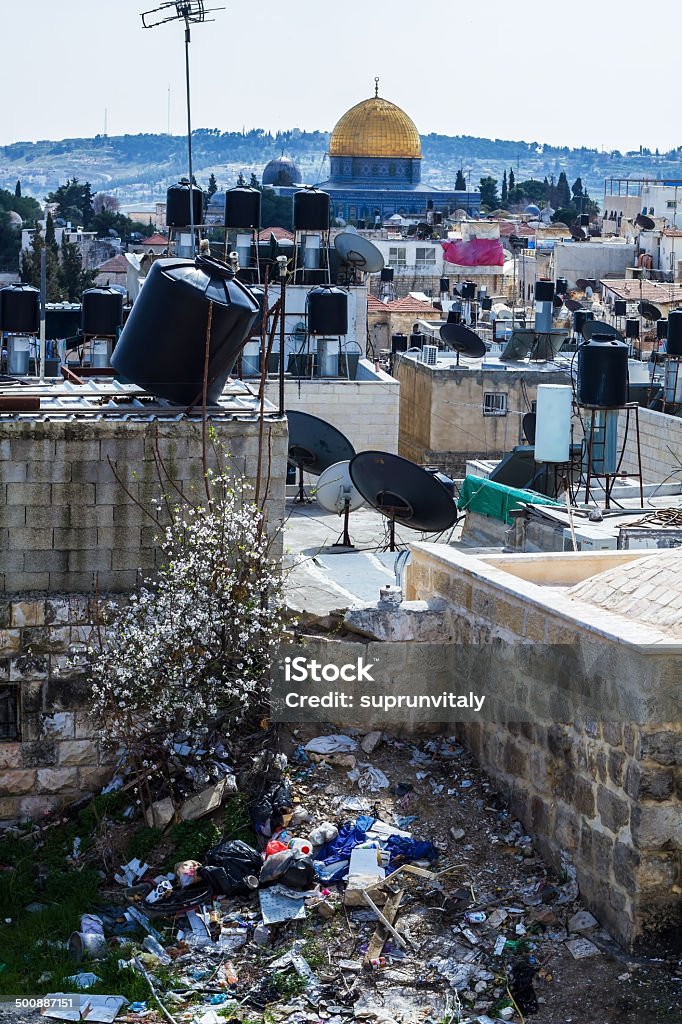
{"x": 279, "y": 234}
{"x": 508, "y": 227}
{"x": 155, "y": 239}
{"x": 410, "y": 305}
{"x": 115, "y": 265}
{"x": 375, "y": 305}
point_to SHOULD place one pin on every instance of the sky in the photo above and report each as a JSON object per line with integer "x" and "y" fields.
{"x": 564, "y": 73}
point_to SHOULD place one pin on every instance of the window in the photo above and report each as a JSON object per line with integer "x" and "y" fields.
{"x": 494, "y": 403}
{"x": 397, "y": 256}
{"x": 426, "y": 257}
{"x": 9, "y": 713}
{"x": 672, "y": 204}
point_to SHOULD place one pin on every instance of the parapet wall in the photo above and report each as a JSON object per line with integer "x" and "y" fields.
{"x": 604, "y": 789}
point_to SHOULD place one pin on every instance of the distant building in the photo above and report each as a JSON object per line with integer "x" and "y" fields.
{"x": 113, "y": 272}
{"x": 282, "y": 171}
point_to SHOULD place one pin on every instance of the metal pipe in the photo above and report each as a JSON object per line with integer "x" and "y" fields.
{"x": 189, "y": 136}
{"x": 282, "y": 262}
{"x": 43, "y": 300}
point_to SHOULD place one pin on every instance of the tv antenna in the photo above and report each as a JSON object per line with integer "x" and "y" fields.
{"x": 192, "y": 12}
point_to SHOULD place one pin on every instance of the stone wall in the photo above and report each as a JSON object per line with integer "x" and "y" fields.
{"x": 69, "y": 493}
{"x": 56, "y": 758}
{"x": 660, "y": 438}
{"x": 604, "y": 789}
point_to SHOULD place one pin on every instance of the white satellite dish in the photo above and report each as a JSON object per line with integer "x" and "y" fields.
{"x": 336, "y": 492}
{"x": 358, "y": 252}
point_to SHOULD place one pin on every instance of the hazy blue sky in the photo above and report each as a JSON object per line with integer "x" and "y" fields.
{"x": 560, "y": 72}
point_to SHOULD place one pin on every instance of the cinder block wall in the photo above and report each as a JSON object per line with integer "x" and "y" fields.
{"x": 72, "y": 534}
{"x": 660, "y": 438}
{"x": 608, "y": 793}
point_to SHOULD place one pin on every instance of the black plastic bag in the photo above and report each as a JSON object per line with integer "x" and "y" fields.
{"x": 288, "y": 868}
{"x": 521, "y": 987}
{"x": 268, "y": 812}
{"x": 227, "y": 865}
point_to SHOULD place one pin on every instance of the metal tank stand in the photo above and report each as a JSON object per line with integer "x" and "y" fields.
{"x": 671, "y": 384}
{"x": 312, "y": 275}
{"x": 596, "y": 452}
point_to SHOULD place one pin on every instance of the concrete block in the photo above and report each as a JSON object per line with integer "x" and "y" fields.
{"x": 91, "y": 560}
{"x": 112, "y": 493}
{"x": 57, "y": 472}
{"x": 44, "y": 561}
{"x": 47, "y": 517}
{"x": 101, "y": 472}
{"x": 128, "y": 536}
{"x": 30, "y": 539}
{"x": 29, "y": 494}
{"x": 12, "y": 472}
{"x": 124, "y": 559}
{"x": 71, "y": 538}
{"x": 33, "y": 450}
{"x": 73, "y": 494}
{"x": 65, "y": 582}
{"x": 16, "y": 582}
{"x": 90, "y": 517}
{"x": 12, "y": 515}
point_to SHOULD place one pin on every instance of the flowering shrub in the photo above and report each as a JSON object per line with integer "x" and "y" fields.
{"x": 195, "y": 645}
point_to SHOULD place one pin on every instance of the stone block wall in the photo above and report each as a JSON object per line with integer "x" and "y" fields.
{"x": 605, "y": 790}
{"x": 660, "y": 438}
{"x": 56, "y": 757}
{"x": 73, "y": 495}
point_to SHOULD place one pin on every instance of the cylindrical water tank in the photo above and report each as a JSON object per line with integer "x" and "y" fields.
{"x": 561, "y": 287}
{"x": 242, "y": 207}
{"x": 327, "y": 310}
{"x": 544, "y": 290}
{"x": 632, "y": 328}
{"x": 673, "y": 382}
{"x": 387, "y": 274}
{"x": 399, "y": 343}
{"x": 444, "y": 285}
{"x": 674, "y": 344}
{"x": 584, "y": 220}
{"x": 162, "y": 346}
{"x": 311, "y": 210}
{"x": 553, "y": 422}
{"x": 661, "y": 330}
{"x": 602, "y": 372}
{"x": 487, "y": 302}
{"x": 18, "y": 355}
{"x": 580, "y": 318}
{"x": 468, "y": 290}
{"x": 20, "y": 309}
{"x": 178, "y": 205}
{"x": 620, "y": 307}
{"x": 101, "y": 312}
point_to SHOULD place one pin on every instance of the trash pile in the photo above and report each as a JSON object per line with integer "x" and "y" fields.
{"x": 344, "y": 908}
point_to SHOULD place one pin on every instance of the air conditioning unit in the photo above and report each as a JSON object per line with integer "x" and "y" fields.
{"x": 590, "y": 539}
{"x": 429, "y": 355}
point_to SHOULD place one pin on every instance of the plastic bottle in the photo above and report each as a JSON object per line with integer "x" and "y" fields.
{"x": 154, "y": 947}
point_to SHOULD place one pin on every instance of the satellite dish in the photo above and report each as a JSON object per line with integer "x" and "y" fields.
{"x": 336, "y": 492}
{"x": 591, "y": 327}
{"x": 403, "y": 492}
{"x": 645, "y": 223}
{"x": 315, "y": 445}
{"x": 528, "y": 424}
{"x": 583, "y": 283}
{"x": 462, "y": 340}
{"x": 578, "y": 233}
{"x": 358, "y": 252}
{"x": 558, "y": 301}
{"x": 572, "y": 305}
{"x": 649, "y": 311}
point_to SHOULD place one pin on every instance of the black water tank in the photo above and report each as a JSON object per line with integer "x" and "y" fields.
{"x": 444, "y": 285}
{"x": 177, "y": 205}
{"x": 584, "y": 220}
{"x": 387, "y": 274}
{"x": 362, "y": 225}
{"x": 632, "y": 328}
{"x": 259, "y": 295}
{"x": 620, "y": 307}
{"x": 544, "y": 290}
{"x": 561, "y": 287}
{"x": 162, "y": 346}
{"x": 399, "y": 343}
{"x": 487, "y": 302}
{"x": 661, "y": 329}
{"x": 20, "y": 309}
{"x": 602, "y": 372}
{"x": 674, "y": 344}
{"x": 468, "y": 290}
{"x": 311, "y": 210}
{"x": 101, "y": 312}
{"x": 242, "y": 207}
{"x": 580, "y": 318}
{"x": 327, "y": 310}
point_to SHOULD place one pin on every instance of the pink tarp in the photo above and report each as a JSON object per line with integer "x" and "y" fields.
{"x": 477, "y": 252}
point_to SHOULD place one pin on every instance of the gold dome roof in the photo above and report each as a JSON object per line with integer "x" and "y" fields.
{"x": 375, "y": 128}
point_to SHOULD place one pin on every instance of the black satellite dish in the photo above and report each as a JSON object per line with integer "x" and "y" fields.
{"x": 572, "y": 305}
{"x": 528, "y": 424}
{"x": 403, "y": 492}
{"x": 649, "y": 311}
{"x": 558, "y": 301}
{"x": 578, "y": 233}
{"x": 645, "y": 223}
{"x": 592, "y": 327}
{"x": 462, "y": 340}
{"x": 583, "y": 283}
{"x": 314, "y": 445}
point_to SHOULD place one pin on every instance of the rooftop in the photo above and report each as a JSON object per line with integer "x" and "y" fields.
{"x": 115, "y": 265}
{"x": 633, "y": 289}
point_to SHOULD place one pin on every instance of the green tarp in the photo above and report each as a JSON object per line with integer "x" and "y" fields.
{"x": 496, "y": 500}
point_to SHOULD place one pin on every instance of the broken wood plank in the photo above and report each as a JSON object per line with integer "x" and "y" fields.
{"x": 377, "y": 941}
{"x": 386, "y": 923}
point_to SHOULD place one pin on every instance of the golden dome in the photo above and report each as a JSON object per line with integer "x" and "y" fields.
{"x": 375, "y": 128}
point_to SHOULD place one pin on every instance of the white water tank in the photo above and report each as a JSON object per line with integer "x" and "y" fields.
{"x": 553, "y": 422}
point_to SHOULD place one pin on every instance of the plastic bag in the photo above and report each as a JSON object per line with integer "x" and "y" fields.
{"x": 228, "y": 865}
{"x": 288, "y": 868}
{"x": 268, "y": 814}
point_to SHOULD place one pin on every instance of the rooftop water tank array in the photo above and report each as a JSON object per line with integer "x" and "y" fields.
{"x": 162, "y": 346}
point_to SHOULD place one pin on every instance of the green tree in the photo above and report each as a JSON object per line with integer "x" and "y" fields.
{"x": 30, "y": 266}
{"x": 489, "y": 197}
{"x": 50, "y": 235}
{"x": 74, "y": 201}
{"x": 505, "y": 192}
{"x": 563, "y": 192}
{"x": 512, "y": 179}
{"x": 253, "y": 181}
{"x": 212, "y": 185}
{"x": 241, "y": 180}
{"x": 73, "y": 279}
{"x": 577, "y": 188}
{"x": 460, "y": 181}
{"x": 10, "y": 244}
{"x": 17, "y": 189}
{"x": 27, "y": 207}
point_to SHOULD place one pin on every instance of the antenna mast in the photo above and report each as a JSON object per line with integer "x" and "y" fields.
{"x": 191, "y": 12}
